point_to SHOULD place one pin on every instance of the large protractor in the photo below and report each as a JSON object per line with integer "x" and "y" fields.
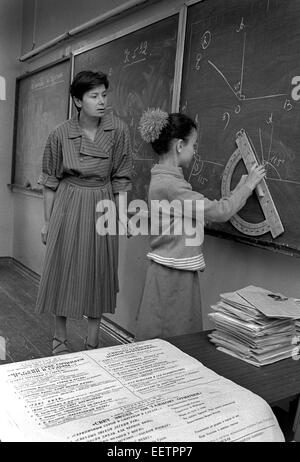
{"x": 272, "y": 222}
{"x": 245, "y": 227}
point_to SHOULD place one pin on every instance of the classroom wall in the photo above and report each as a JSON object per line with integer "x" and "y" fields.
{"x": 230, "y": 265}
{"x": 10, "y": 47}
{"x": 54, "y": 17}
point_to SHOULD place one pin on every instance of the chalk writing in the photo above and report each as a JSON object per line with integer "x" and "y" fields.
{"x": 237, "y": 86}
{"x": 197, "y": 166}
{"x": 277, "y": 161}
{"x": 287, "y": 105}
{"x": 242, "y": 26}
{"x": 44, "y": 82}
{"x": 198, "y": 59}
{"x": 137, "y": 54}
{"x": 237, "y": 109}
{"x": 184, "y": 106}
{"x": 205, "y": 40}
{"x": 202, "y": 180}
{"x": 226, "y": 117}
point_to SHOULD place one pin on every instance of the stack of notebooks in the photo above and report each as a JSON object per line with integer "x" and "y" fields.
{"x": 256, "y": 325}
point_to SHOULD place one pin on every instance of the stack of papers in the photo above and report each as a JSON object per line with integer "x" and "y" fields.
{"x": 255, "y": 325}
{"x": 297, "y": 323}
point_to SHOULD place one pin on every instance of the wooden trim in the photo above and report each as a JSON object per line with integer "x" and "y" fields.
{"x": 46, "y": 66}
{"x": 115, "y": 331}
{"x": 71, "y": 80}
{"x": 192, "y": 2}
{"x": 5, "y": 260}
{"x": 256, "y": 242}
{"x": 14, "y": 145}
{"x": 26, "y": 191}
{"x": 122, "y": 9}
{"x": 128, "y": 30}
{"x": 25, "y": 271}
{"x": 179, "y": 59}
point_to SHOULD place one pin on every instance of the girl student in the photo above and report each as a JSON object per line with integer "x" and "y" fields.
{"x": 87, "y": 159}
{"x": 171, "y": 303}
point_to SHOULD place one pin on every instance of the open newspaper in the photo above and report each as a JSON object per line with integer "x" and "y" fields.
{"x": 145, "y": 391}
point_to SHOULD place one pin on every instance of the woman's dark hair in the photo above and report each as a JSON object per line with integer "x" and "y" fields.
{"x": 85, "y": 81}
{"x": 178, "y": 126}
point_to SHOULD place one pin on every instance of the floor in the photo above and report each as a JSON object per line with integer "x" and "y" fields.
{"x": 28, "y": 335}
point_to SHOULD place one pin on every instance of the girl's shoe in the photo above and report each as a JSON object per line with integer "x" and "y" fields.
{"x": 87, "y": 346}
{"x": 59, "y": 347}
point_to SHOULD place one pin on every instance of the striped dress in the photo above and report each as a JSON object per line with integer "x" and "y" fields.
{"x": 80, "y": 271}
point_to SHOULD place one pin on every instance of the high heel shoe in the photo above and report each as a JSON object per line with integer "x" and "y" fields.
{"x": 87, "y": 346}
{"x": 60, "y": 348}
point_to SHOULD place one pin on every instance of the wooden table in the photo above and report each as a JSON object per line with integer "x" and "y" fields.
{"x": 273, "y": 383}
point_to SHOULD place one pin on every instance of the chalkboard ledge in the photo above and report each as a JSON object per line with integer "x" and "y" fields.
{"x": 35, "y": 192}
{"x": 280, "y": 248}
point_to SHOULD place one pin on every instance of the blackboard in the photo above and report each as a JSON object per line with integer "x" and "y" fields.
{"x": 140, "y": 67}
{"x": 42, "y": 100}
{"x": 241, "y": 71}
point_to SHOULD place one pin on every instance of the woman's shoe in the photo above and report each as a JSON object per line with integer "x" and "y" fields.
{"x": 59, "y": 347}
{"x": 87, "y": 346}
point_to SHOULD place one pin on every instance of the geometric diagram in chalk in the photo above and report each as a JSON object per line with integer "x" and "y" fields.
{"x": 272, "y": 222}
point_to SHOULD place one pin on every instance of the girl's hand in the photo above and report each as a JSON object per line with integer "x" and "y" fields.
{"x": 44, "y": 232}
{"x": 256, "y": 174}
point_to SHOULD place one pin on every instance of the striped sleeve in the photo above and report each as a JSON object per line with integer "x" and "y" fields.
{"x": 121, "y": 177}
{"x": 223, "y": 209}
{"x": 214, "y": 210}
{"x": 51, "y": 167}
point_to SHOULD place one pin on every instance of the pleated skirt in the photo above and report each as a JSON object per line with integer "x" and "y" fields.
{"x": 80, "y": 271}
{"x": 171, "y": 303}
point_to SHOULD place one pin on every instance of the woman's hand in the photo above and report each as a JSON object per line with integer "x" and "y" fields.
{"x": 126, "y": 228}
{"x": 256, "y": 174}
{"x": 129, "y": 229}
{"x": 44, "y": 232}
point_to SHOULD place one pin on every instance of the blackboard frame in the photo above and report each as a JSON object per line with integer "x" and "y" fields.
{"x": 14, "y": 186}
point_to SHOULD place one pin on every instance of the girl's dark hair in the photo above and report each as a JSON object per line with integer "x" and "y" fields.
{"x": 85, "y": 81}
{"x": 178, "y": 126}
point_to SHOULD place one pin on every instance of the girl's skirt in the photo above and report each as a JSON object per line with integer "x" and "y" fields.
{"x": 80, "y": 272}
{"x": 171, "y": 303}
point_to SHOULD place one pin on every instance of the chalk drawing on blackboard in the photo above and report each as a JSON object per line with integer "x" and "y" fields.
{"x": 206, "y": 39}
{"x": 248, "y": 77}
{"x": 237, "y": 89}
{"x": 241, "y": 26}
